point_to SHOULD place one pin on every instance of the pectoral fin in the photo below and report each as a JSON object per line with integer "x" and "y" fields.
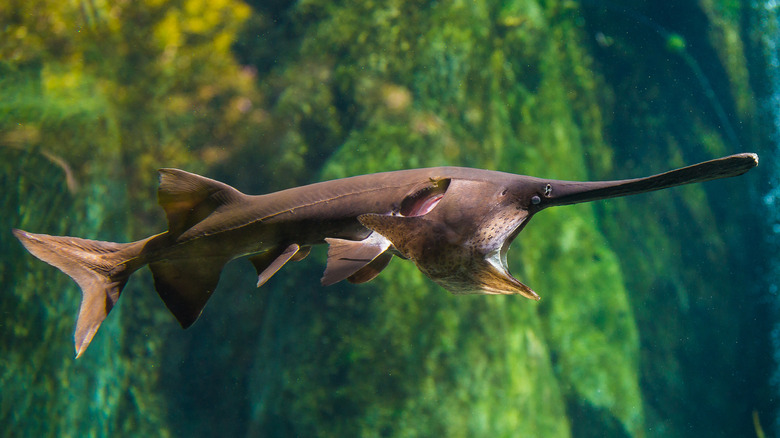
{"x": 269, "y": 262}
{"x": 409, "y": 235}
{"x": 371, "y": 270}
{"x": 348, "y": 257}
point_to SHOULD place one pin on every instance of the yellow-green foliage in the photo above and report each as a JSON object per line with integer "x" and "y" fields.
{"x": 150, "y": 81}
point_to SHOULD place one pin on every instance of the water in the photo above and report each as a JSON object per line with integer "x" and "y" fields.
{"x": 658, "y": 312}
{"x": 769, "y": 13}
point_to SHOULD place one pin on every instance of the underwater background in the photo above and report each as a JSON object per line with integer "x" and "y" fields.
{"x": 659, "y": 314}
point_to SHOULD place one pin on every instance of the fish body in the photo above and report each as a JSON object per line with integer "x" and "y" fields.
{"x": 454, "y": 223}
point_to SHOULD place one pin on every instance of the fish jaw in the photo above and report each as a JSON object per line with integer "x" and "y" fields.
{"x": 475, "y": 264}
{"x": 484, "y": 267}
{"x": 482, "y": 278}
{"x": 498, "y": 280}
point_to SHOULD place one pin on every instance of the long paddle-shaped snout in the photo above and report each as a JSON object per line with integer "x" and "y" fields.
{"x": 572, "y": 192}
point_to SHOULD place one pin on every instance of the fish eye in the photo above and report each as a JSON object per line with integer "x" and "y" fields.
{"x": 535, "y": 200}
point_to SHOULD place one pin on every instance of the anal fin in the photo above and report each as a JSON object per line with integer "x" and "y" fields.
{"x": 269, "y": 262}
{"x": 186, "y": 285}
{"x": 347, "y": 257}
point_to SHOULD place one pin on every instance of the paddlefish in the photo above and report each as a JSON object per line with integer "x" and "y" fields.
{"x": 454, "y": 223}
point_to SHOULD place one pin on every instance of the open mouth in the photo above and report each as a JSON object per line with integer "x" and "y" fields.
{"x": 500, "y": 280}
{"x": 508, "y": 239}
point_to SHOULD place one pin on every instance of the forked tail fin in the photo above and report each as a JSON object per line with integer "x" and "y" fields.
{"x": 99, "y": 268}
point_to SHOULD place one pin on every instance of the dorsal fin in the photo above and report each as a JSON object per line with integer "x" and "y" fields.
{"x": 188, "y": 198}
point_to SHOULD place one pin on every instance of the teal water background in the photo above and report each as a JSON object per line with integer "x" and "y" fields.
{"x": 659, "y": 312}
